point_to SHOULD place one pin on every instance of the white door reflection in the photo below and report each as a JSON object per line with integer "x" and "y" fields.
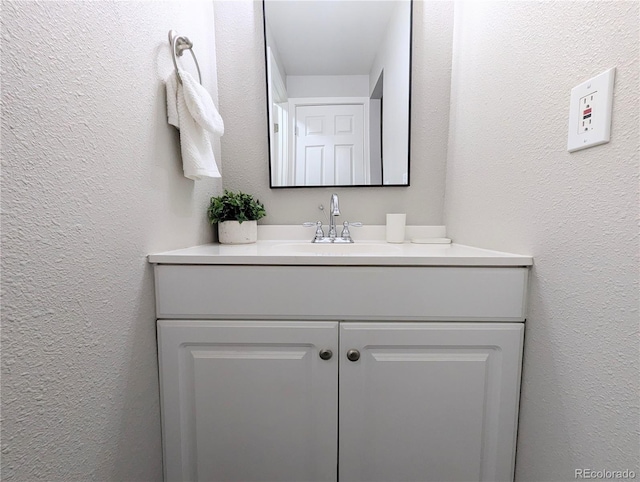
{"x": 330, "y": 143}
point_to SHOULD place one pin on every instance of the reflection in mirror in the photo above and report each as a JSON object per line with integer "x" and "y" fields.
{"x": 338, "y": 91}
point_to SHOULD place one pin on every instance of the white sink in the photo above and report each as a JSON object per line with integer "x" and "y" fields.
{"x": 338, "y": 249}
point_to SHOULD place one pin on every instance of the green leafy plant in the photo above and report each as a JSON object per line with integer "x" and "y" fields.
{"x": 235, "y": 207}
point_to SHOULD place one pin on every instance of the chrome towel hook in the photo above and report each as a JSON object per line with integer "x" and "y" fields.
{"x": 179, "y": 44}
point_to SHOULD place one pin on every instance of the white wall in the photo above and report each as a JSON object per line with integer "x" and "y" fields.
{"x": 275, "y": 51}
{"x": 243, "y": 105}
{"x": 375, "y": 153}
{"x": 393, "y": 59}
{"x": 328, "y": 85}
{"x": 91, "y": 183}
{"x": 511, "y": 185}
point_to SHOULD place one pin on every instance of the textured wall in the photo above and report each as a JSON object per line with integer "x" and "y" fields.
{"x": 91, "y": 183}
{"x": 512, "y": 185}
{"x": 239, "y": 35}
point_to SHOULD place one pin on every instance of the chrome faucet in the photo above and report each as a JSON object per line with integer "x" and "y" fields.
{"x": 334, "y": 210}
{"x": 332, "y": 235}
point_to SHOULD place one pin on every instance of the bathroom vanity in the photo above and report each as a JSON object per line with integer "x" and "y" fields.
{"x": 282, "y": 362}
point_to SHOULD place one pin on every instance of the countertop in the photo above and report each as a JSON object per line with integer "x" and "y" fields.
{"x": 372, "y": 253}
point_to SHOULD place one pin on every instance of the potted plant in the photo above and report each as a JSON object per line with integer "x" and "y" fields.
{"x": 236, "y": 215}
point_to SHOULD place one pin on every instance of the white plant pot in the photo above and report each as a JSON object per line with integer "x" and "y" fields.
{"x": 234, "y": 232}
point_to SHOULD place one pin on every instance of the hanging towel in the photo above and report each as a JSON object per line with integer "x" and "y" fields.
{"x": 191, "y": 110}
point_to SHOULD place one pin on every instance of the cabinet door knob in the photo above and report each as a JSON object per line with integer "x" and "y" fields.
{"x": 326, "y": 354}
{"x": 353, "y": 355}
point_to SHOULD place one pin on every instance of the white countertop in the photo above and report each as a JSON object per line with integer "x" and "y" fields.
{"x": 290, "y": 252}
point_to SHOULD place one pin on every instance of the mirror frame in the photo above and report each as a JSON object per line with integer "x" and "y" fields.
{"x": 266, "y": 75}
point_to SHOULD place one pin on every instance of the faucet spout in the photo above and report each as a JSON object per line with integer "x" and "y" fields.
{"x": 334, "y": 210}
{"x": 334, "y": 205}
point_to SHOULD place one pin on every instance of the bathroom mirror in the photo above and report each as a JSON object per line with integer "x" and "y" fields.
{"x": 338, "y": 92}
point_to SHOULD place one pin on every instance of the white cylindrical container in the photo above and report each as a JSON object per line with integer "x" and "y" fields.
{"x": 234, "y": 232}
{"x": 395, "y": 227}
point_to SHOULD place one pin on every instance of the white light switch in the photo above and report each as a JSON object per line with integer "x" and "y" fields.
{"x": 590, "y": 112}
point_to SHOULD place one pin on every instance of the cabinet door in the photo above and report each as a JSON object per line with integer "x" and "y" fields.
{"x": 248, "y": 401}
{"x": 429, "y": 401}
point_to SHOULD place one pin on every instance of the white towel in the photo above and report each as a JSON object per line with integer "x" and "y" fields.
{"x": 191, "y": 109}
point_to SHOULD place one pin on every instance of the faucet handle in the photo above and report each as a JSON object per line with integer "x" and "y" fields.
{"x": 318, "y": 226}
{"x": 346, "y": 234}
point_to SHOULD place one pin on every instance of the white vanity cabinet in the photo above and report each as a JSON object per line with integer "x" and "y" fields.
{"x": 248, "y": 401}
{"x": 254, "y": 401}
{"x": 429, "y": 401}
{"x": 422, "y": 382}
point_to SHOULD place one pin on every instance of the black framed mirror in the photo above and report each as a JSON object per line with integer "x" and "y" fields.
{"x": 338, "y": 77}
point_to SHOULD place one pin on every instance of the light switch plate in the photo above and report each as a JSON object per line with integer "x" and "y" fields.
{"x": 590, "y": 112}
